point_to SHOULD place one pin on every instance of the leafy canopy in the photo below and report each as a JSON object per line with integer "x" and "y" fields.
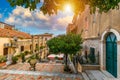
{"x": 67, "y": 44}
{"x": 78, "y": 6}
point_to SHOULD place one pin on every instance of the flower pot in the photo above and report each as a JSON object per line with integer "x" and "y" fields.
{"x": 32, "y": 63}
{"x": 2, "y": 64}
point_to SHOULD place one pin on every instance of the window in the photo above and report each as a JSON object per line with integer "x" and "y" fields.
{"x": 22, "y": 48}
{"x": 5, "y": 51}
{"x": 30, "y": 47}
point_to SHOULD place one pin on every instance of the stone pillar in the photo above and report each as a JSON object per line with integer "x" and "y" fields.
{"x": 101, "y": 61}
{"x": 9, "y": 57}
{"x": 118, "y": 59}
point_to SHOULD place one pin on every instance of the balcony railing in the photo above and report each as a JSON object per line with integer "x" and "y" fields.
{"x": 7, "y": 44}
{"x": 12, "y": 45}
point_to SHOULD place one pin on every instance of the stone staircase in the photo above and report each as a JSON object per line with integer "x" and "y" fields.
{"x": 90, "y": 67}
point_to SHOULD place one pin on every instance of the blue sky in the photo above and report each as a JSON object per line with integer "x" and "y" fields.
{"x": 34, "y": 22}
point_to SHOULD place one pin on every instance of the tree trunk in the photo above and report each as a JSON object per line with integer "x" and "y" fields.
{"x": 66, "y": 56}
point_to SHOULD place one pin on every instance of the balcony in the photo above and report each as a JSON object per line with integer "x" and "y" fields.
{"x": 12, "y": 45}
{"x": 7, "y": 45}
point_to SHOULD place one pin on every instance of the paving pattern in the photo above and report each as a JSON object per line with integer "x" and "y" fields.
{"x": 42, "y": 67}
{"x": 44, "y": 71}
{"x": 47, "y": 71}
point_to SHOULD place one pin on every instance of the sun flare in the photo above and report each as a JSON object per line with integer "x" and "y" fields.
{"x": 68, "y": 8}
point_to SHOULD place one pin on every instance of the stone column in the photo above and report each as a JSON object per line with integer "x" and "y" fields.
{"x": 9, "y": 57}
{"x": 101, "y": 61}
{"x": 118, "y": 59}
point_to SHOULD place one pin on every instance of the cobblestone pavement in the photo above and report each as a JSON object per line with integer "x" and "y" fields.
{"x": 42, "y": 67}
{"x": 44, "y": 71}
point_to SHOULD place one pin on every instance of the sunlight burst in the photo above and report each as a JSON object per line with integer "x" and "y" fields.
{"x": 68, "y": 8}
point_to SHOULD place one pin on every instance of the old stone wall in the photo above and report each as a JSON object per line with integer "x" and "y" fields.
{"x": 93, "y": 25}
{"x": 94, "y": 43}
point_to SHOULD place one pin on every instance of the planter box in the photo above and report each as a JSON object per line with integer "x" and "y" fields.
{"x": 2, "y": 64}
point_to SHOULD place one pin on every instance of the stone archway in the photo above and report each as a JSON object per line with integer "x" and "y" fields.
{"x": 111, "y": 53}
{"x": 103, "y": 50}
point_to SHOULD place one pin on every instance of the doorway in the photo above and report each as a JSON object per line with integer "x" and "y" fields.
{"x": 111, "y": 54}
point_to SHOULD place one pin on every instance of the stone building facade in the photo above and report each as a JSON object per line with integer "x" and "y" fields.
{"x": 40, "y": 41}
{"x": 102, "y": 32}
{"x": 13, "y": 41}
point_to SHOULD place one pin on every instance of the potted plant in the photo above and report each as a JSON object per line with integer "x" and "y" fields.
{"x": 32, "y": 61}
{"x": 14, "y": 59}
{"x": 3, "y": 60}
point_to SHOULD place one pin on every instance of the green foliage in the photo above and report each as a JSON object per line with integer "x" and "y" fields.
{"x": 26, "y": 52}
{"x": 41, "y": 47}
{"x": 3, "y": 58}
{"x": 78, "y": 6}
{"x": 26, "y": 3}
{"x": 56, "y": 57}
{"x": 30, "y": 52}
{"x": 55, "y": 44}
{"x": 14, "y": 59}
{"x": 23, "y": 57}
{"x": 18, "y": 55}
{"x": 68, "y": 44}
{"x": 37, "y": 48}
{"x": 32, "y": 63}
{"x": 34, "y": 56}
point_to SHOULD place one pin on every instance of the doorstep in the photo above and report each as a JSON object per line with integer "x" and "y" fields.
{"x": 90, "y": 67}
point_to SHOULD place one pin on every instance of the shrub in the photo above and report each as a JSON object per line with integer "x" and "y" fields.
{"x": 30, "y": 52}
{"x": 18, "y": 55}
{"x": 26, "y": 52}
{"x": 23, "y": 57}
{"x": 34, "y": 56}
{"x": 3, "y": 59}
{"x": 14, "y": 59}
{"x": 56, "y": 57}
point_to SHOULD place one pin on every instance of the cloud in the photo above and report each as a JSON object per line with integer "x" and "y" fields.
{"x": 64, "y": 20}
{"x": 0, "y": 15}
{"x": 25, "y": 18}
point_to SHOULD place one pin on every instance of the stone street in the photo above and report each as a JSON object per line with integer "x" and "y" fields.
{"x": 44, "y": 71}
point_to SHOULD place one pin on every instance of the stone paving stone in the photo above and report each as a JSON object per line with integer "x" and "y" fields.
{"x": 44, "y": 72}
{"x": 4, "y": 76}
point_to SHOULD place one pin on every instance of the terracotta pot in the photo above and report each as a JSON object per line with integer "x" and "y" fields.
{"x": 2, "y": 64}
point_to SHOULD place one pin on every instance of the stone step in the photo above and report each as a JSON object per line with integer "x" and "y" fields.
{"x": 90, "y": 67}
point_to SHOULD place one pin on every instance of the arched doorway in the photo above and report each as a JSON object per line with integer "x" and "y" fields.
{"x": 111, "y": 54}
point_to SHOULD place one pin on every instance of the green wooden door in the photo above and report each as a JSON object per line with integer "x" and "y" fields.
{"x": 111, "y": 54}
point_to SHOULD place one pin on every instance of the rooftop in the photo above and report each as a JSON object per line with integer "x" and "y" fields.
{"x": 13, "y": 33}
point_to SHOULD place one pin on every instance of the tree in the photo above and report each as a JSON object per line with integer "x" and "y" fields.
{"x": 67, "y": 44}
{"x": 53, "y": 6}
{"x": 55, "y": 44}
